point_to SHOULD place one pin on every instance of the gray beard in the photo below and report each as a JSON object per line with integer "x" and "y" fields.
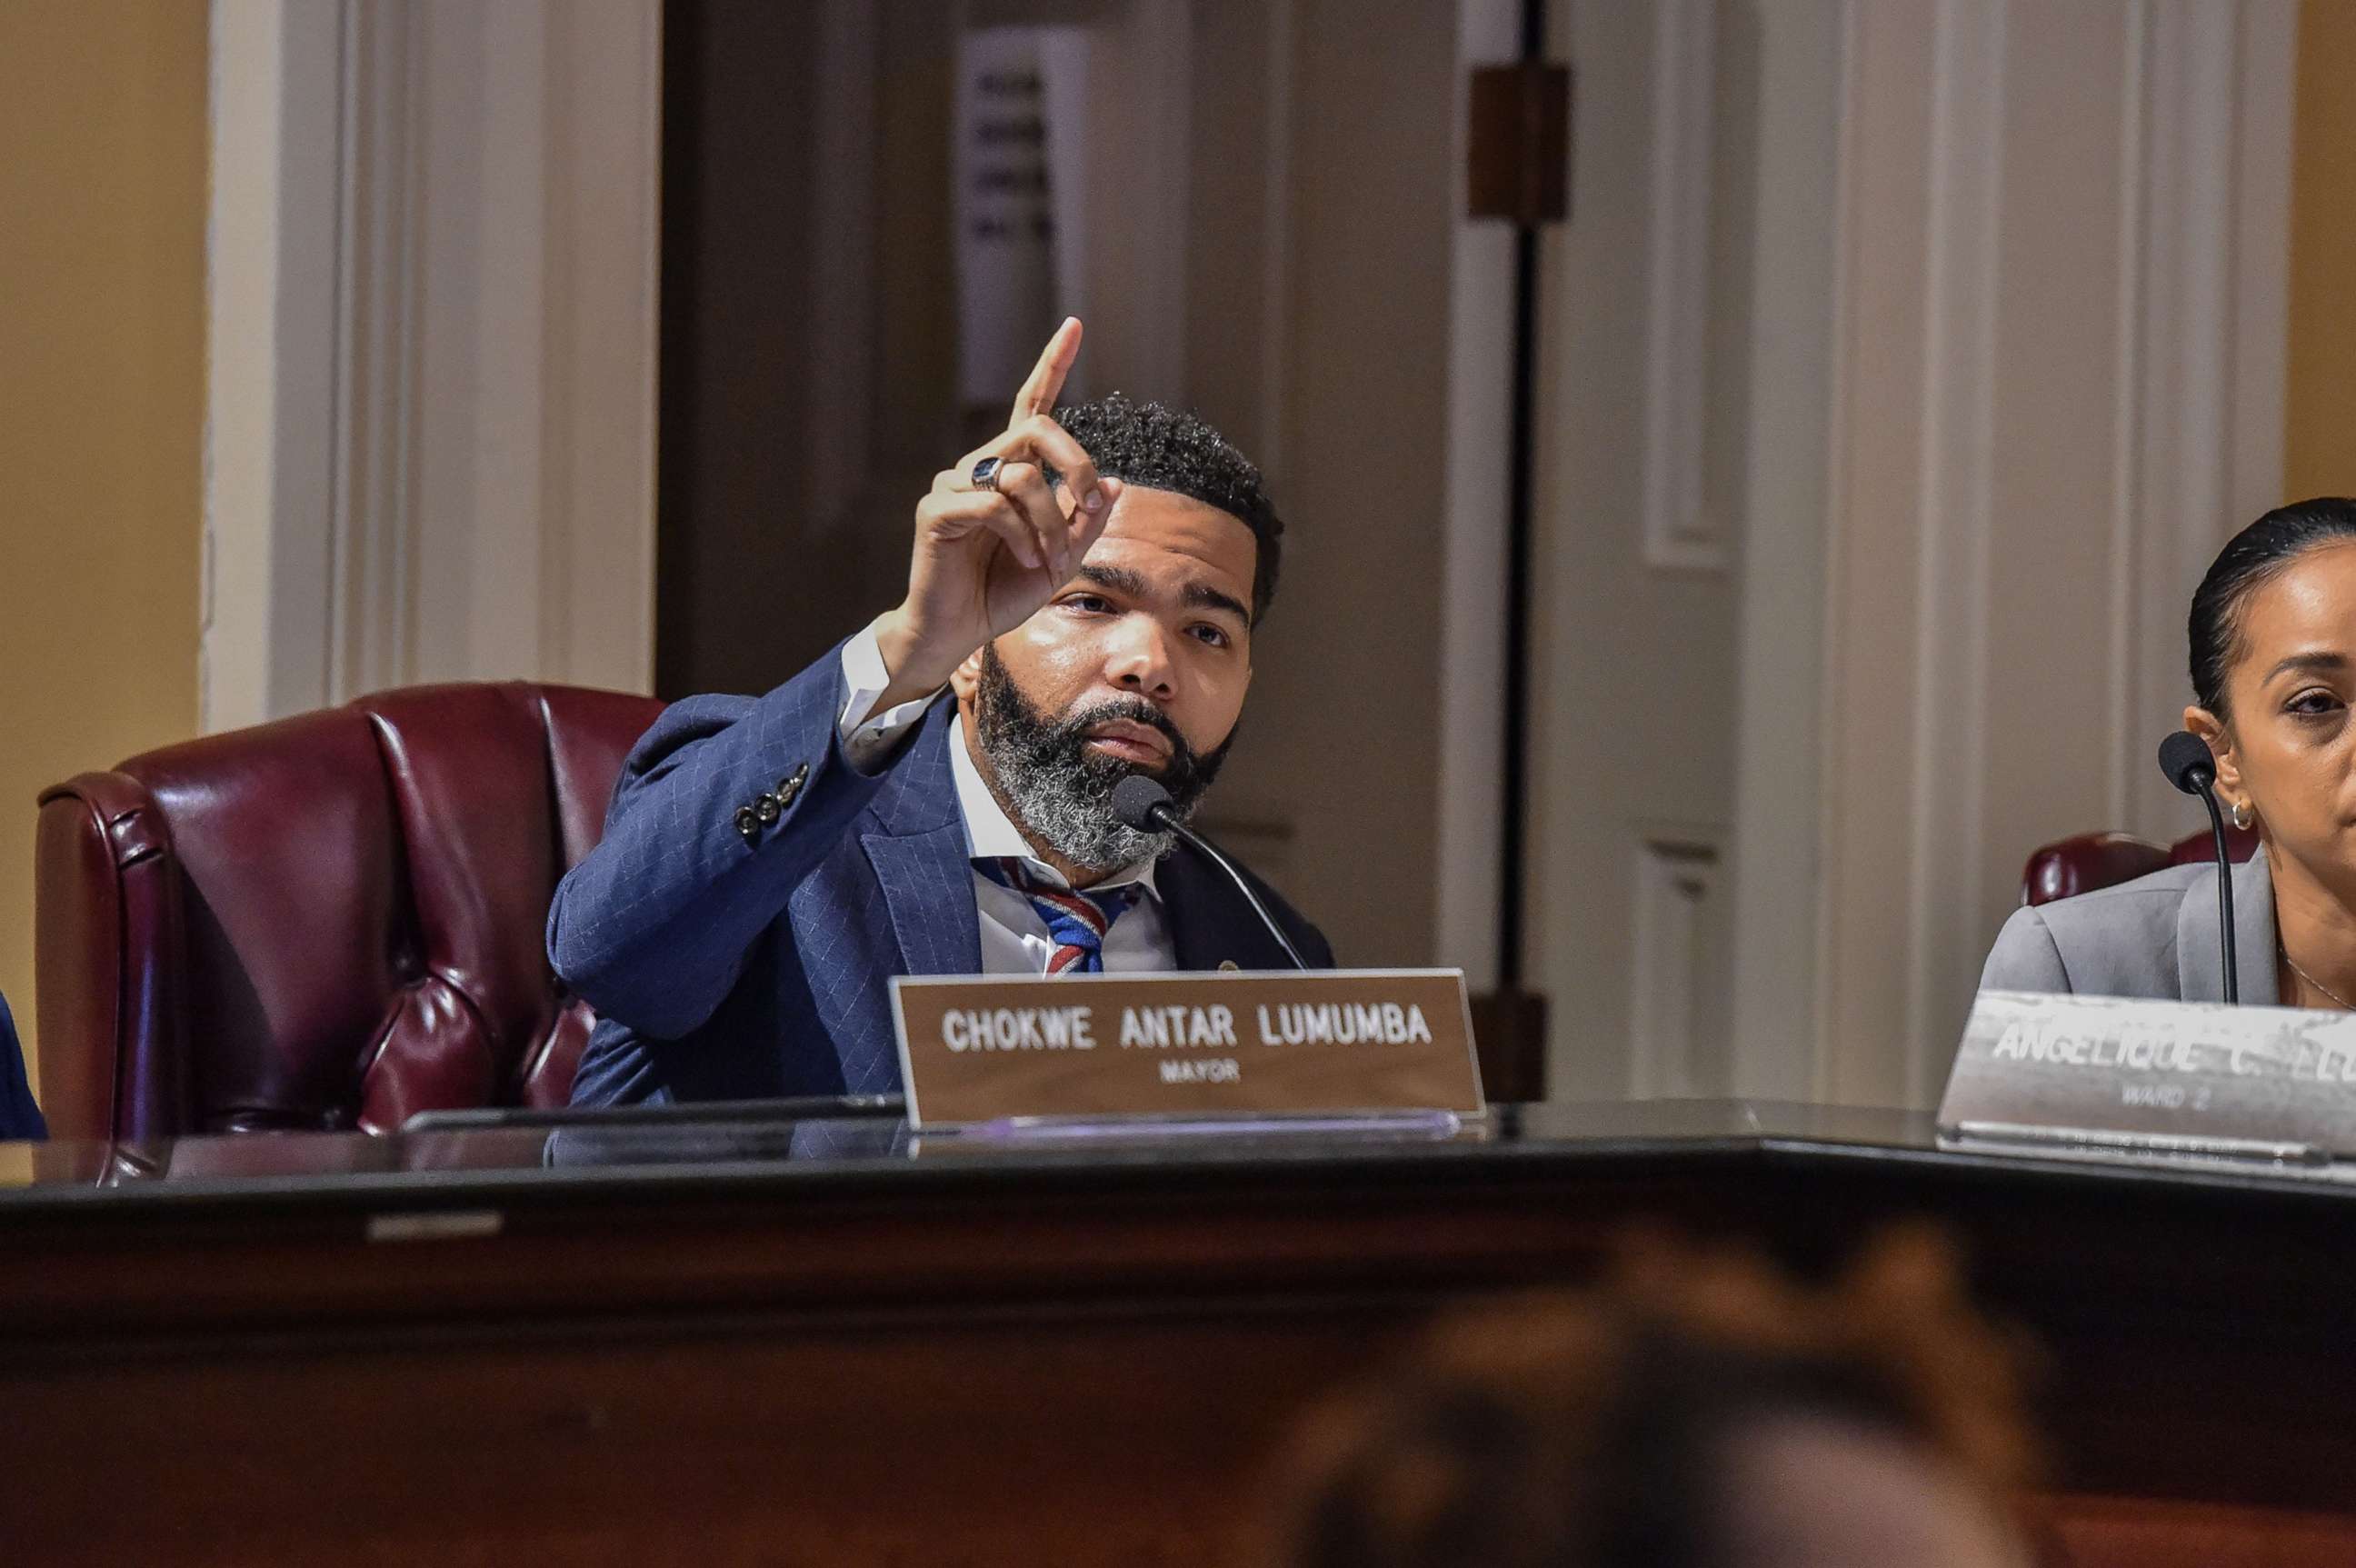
{"x": 1062, "y": 799}
{"x": 1056, "y": 790}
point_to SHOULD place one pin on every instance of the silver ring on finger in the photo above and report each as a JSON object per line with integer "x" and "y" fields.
{"x": 985, "y": 474}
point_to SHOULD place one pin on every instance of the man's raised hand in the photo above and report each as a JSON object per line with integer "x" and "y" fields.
{"x": 988, "y": 557}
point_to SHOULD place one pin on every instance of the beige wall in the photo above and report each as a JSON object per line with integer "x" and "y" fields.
{"x": 101, "y": 366}
{"x": 2319, "y": 445}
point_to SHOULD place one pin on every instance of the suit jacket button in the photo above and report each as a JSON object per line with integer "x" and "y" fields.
{"x": 748, "y": 823}
{"x": 801, "y": 771}
{"x": 789, "y": 788}
{"x": 768, "y": 807}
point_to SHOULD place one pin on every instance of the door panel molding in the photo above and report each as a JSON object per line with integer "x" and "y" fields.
{"x": 1682, "y": 531}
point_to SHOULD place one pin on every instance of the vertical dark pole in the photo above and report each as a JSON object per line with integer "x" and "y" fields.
{"x": 680, "y": 369}
{"x": 1513, "y": 831}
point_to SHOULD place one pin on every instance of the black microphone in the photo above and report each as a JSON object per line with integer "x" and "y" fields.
{"x": 1142, "y": 803}
{"x": 2184, "y": 757}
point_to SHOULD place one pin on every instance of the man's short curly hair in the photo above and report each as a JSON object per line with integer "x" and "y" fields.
{"x": 1172, "y": 449}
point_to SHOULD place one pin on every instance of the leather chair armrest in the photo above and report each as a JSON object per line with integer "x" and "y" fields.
{"x": 2200, "y": 848}
{"x": 108, "y": 1027}
{"x": 2079, "y": 864}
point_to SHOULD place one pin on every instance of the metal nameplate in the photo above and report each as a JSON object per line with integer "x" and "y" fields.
{"x": 983, "y": 1050}
{"x": 2183, "y": 1078}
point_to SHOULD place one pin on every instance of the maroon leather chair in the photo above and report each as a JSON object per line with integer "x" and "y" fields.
{"x": 330, "y": 921}
{"x": 2073, "y": 865}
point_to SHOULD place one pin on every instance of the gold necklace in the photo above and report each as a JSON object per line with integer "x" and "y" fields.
{"x": 2345, "y": 1005}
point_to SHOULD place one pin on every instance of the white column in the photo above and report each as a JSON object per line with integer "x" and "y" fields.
{"x": 270, "y": 377}
{"x": 433, "y": 305}
{"x": 1473, "y": 543}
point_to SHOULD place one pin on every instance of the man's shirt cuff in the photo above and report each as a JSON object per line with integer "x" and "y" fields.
{"x": 867, "y": 737}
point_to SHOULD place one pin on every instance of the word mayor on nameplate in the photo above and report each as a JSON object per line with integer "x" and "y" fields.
{"x": 2193, "y": 1070}
{"x": 974, "y": 1049}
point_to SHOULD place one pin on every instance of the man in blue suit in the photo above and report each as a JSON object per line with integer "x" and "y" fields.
{"x": 1085, "y": 592}
{"x": 19, "y": 1116}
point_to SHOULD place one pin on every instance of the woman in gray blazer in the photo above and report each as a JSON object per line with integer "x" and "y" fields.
{"x": 2272, "y": 634}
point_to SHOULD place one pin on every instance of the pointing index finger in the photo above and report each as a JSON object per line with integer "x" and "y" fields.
{"x": 1046, "y": 381}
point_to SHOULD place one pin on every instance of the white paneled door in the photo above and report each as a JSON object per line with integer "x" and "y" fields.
{"x": 1905, "y": 361}
{"x": 1640, "y": 455}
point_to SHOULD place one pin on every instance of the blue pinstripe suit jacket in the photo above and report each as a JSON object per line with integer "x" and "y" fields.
{"x": 724, "y": 967}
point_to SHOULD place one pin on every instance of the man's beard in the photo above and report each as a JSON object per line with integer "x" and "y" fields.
{"x": 1059, "y": 791}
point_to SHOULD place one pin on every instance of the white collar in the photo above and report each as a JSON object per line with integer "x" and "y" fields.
{"x": 991, "y": 833}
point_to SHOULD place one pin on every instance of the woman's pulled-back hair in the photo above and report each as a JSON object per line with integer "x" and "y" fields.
{"x": 2252, "y": 557}
{"x": 1595, "y": 1429}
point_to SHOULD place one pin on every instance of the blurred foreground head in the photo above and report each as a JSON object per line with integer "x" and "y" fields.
{"x": 1701, "y": 1411}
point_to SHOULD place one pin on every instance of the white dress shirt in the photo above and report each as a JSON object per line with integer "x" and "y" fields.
{"x": 1015, "y": 939}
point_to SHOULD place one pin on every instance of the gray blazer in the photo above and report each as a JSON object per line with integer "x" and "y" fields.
{"x": 2155, "y": 937}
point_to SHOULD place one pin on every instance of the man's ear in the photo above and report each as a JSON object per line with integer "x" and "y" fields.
{"x": 966, "y": 679}
{"x": 2212, "y": 729}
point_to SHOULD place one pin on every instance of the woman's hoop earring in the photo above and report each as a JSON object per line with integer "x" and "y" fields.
{"x": 2243, "y": 816}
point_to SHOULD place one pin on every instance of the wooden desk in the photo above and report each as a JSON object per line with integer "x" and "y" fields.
{"x": 817, "y": 1346}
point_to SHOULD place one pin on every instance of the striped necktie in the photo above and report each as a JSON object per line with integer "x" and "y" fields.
{"x": 1076, "y": 921}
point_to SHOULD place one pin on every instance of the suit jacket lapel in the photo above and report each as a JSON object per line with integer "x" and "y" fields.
{"x": 927, "y": 887}
{"x": 898, "y": 900}
{"x": 2200, "y": 953}
{"x": 1210, "y": 925}
{"x": 918, "y": 854}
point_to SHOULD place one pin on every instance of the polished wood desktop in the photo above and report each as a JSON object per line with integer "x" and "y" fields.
{"x": 823, "y": 1341}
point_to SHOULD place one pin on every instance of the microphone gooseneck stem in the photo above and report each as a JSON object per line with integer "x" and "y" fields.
{"x": 2224, "y": 896}
{"x": 1168, "y": 819}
